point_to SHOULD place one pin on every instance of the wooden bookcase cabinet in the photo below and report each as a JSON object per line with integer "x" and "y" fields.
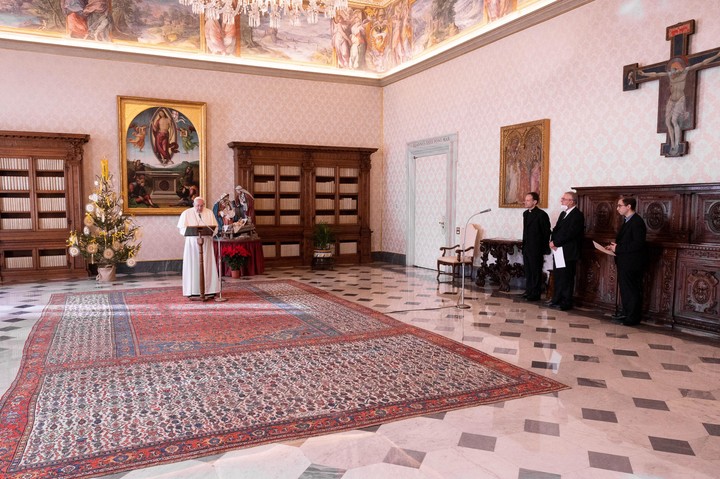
{"x": 297, "y": 186}
{"x": 682, "y": 281}
{"x": 40, "y": 202}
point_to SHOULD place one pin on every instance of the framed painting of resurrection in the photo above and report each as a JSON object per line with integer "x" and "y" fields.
{"x": 162, "y": 154}
{"x": 524, "y": 162}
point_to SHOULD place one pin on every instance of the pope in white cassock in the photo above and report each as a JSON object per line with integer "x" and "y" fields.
{"x": 198, "y": 215}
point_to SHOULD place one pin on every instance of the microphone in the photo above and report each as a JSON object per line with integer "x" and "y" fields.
{"x": 202, "y": 221}
{"x": 483, "y": 211}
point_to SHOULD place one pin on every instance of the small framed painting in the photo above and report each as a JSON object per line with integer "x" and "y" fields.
{"x": 524, "y": 163}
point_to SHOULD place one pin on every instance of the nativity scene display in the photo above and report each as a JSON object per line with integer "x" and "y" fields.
{"x": 235, "y": 215}
{"x": 162, "y": 155}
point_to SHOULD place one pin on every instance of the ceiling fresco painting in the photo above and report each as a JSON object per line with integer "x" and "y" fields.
{"x": 370, "y": 36}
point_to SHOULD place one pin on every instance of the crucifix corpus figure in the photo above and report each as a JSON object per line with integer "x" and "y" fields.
{"x": 678, "y": 85}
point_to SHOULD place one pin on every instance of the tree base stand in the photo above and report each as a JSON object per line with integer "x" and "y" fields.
{"x": 106, "y": 274}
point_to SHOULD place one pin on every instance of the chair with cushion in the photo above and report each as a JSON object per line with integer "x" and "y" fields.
{"x": 454, "y": 257}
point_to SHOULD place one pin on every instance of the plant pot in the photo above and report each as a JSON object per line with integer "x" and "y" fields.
{"x": 322, "y": 259}
{"x": 106, "y": 274}
{"x": 235, "y": 273}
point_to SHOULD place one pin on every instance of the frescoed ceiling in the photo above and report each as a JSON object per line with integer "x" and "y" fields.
{"x": 372, "y": 40}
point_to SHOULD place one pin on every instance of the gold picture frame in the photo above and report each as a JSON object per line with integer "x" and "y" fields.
{"x": 162, "y": 154}
{"x": 524, "y": 163}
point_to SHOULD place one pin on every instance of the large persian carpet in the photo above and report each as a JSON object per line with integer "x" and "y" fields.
{"x": 117, "y": 380}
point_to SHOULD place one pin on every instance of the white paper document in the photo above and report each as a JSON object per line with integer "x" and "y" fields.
{"x": 601, "y": 248}
{"x": 559, "y": 258}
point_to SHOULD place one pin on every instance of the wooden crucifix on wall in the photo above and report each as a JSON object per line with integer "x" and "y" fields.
{"x": 678, "y": 85}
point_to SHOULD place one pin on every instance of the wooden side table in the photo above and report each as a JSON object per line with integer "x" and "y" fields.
{"x": 501, "y": 271}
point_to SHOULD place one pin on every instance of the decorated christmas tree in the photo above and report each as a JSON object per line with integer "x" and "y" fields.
{"x": 108, "y": 237}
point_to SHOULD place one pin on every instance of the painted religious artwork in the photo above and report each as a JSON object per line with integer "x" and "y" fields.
{"x": 524, "y": 162}
{"x": 305, "y": 43}
{"x": 222, "y": 37}
{"x": 388, "y": 34}
{"x": 437, "y": 21}
{"x": 157, "y": 23}
{"x": 678, "y": 86}
{"x": 162, "y": 154}
{"x": 374, "y": 37}
{"x": 369, "y": 38}
{"x": 148, "y": 24}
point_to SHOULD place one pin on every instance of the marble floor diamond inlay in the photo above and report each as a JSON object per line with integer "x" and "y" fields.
{"x": 643, "y": 402}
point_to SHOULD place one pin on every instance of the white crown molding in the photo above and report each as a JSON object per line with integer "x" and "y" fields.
{"x": 158, "y": 58}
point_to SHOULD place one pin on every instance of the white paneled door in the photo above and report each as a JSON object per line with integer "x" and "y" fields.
{"x": 431, "y": 216}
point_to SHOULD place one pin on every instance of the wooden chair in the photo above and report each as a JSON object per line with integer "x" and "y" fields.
{"x": 456, "y": 257}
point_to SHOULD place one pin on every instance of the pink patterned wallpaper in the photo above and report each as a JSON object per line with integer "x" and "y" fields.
{"x": 74, "y": 95}
{"x": 568, "y": 69}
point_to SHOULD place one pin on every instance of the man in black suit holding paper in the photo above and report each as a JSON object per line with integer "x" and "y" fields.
{"x": 630, "y": 258}
{"x": 568, "y": 235}
{"x": 536, "y": 233}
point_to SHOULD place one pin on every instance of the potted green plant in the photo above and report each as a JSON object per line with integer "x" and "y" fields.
{"x": 323, "y": 242}
{"x": 323, "y": 237}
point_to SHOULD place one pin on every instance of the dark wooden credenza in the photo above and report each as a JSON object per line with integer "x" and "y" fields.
{"x": 683, "y": 233}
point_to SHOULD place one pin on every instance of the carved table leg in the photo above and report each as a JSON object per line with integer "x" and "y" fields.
{"x": 503, "y": 271}
{"x": 483, "y": 270}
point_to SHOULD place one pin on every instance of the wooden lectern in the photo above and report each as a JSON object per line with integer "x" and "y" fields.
{"x": 201, "y": 232}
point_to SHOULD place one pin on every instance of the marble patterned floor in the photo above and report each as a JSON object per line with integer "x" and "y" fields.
{"x": 643, "y": 402}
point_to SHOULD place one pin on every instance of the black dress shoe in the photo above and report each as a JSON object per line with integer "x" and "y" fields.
{"x": 532, "y": 298}
{"x": 619, "y": 316}
{"x": 524, "y": 295}
{"x": 565, "y": 307}
{"x": 552, "y": 304}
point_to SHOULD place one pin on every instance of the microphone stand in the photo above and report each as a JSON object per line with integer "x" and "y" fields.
{"x": 461, "y": 304}
{"x": 202, "y": 265}
{"x": 220, "y": 298}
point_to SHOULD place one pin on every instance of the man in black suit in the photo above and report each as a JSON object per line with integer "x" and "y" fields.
{"x": 536, "y": 233}
{"x": 568, "y": 235}
{"x": 630, "y": 257}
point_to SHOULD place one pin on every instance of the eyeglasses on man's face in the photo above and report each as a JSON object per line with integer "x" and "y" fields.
{"x": 620, "y": 205}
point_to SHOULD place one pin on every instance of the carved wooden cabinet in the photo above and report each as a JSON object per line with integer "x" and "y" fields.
{"x": 683, "y": 234}
{"x": 40, "y": 202}
{"x": 296, "y": 186}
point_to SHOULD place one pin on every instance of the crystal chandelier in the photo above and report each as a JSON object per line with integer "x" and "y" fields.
{"x": 275, "y": 9}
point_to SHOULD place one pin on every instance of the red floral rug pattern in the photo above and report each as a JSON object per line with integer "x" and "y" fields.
{"x": 117, "y": 380}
